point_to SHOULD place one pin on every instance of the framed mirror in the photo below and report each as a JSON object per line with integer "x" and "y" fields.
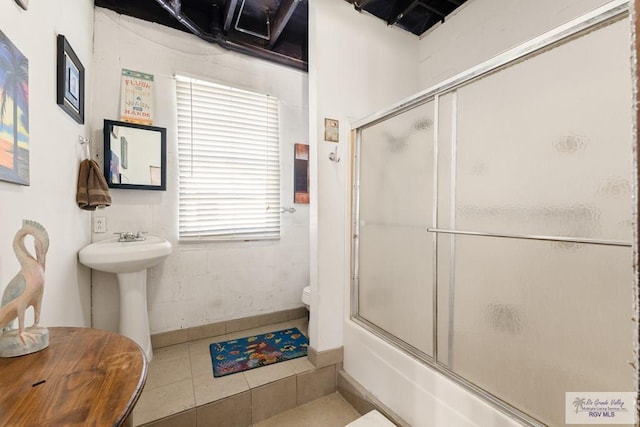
{"x": 135, "y": 156}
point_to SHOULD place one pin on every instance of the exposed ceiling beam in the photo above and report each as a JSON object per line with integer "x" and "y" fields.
{"x": 456, "y": 2}
{"x": 235, "y": 46}
{"x": 229, "y": 10}
{"x": 286, "y": 9}
{"x": 177, "y": 5}
{"x": 399, "y": 11}
{"x": 434, "y": 10}
{"x": 359, "y": 5}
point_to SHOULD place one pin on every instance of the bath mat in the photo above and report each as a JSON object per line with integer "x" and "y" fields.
{"x": 230, "y": 357}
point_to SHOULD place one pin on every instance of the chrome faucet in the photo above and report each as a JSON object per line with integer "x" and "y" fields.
{"x": 128, "y": 236}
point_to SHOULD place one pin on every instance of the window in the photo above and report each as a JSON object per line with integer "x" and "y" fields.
{"x": 229, "y": 162}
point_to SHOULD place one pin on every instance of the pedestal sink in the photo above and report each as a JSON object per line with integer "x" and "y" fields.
{"x": 130, "y": 261}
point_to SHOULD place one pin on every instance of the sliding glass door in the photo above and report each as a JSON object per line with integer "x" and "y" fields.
{"x": 506, "y": 200}
{"x": 396, "y": 208}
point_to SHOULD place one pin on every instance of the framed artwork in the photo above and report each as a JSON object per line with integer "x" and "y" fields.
{"x": 136, "y": 97}
{"x": 331, "y": 130}
{"x": 14, "y": 113}
{"x": 301, "y": 173}
{"x": 70, "y": 81}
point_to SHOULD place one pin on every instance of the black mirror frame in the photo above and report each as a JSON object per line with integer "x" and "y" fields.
{"x": 107, "y": 155}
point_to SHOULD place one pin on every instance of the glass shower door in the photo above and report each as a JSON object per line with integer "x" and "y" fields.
{"x": 541, "y": 149}
{"x": 495, "y": 219}
{"x": 395, "y": 283}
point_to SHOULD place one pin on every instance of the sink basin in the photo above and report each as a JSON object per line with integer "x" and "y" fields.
{"x": 130, "y": 261}
{"x": 112, "y": 256}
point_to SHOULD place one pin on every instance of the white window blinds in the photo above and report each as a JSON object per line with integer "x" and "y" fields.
{"x": 229, "y": 162}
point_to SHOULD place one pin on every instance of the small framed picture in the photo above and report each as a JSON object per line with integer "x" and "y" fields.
{"x": 301, "y": 173}
{"x": 70, "y": 81}
{"x": 331, "y": 130}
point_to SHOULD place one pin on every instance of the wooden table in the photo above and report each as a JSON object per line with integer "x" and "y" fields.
{"x": 86, "y": 377}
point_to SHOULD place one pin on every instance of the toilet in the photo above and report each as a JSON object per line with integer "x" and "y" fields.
{"x": 306, "y": 296}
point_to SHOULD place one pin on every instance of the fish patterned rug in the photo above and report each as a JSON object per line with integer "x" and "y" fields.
{"x": 230, "y": 357}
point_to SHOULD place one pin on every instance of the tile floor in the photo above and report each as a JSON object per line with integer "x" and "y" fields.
{"x": 328, "y": 411}
{"x": 180, "y": 386}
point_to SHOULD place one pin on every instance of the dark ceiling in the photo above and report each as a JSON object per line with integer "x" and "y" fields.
{"x": 415, "y": 16}
{"x": 275, "y": 30}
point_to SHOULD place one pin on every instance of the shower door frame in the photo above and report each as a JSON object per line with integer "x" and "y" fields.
{"x": 600, "y": 17}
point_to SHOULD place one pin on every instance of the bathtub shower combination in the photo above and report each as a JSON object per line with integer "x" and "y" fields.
{"x": 492, "y": 221}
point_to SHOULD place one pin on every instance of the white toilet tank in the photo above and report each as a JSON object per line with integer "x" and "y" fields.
{"x": 306, "y": 296}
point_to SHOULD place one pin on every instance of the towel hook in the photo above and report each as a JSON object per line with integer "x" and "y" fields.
{"x": 333, "y": 156}
{"x": 84, "y": 142}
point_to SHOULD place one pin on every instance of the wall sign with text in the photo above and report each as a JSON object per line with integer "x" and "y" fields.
{"x": 136, "y": 97}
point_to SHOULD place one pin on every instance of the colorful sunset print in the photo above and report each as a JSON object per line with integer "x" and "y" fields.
{"x": 14, "y": 113}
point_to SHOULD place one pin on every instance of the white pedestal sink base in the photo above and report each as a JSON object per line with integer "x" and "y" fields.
{"x": 134, "y": 319}
{"x": 130, "y": 261}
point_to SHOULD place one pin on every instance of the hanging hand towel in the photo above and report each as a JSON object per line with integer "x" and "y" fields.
{"x": 92, "y": 187}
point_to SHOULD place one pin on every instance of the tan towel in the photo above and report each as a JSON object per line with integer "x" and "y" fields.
{"x": 92, "y": 187}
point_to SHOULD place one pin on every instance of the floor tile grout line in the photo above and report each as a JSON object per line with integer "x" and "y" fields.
{"x": 249, "y": 390}
{"x": 193, "y": 385}
{"x": 252, "y": 331}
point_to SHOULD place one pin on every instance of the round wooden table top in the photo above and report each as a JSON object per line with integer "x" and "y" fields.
{"x": 86, "y": 377}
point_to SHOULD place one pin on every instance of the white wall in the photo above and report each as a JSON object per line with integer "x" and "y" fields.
{"x": 356, "y": 66}
{"x": 54, "y": 158}
{"x": 478, "y": 31}
{"x": 481, "y": 29}
{"x": 198, "y": 283}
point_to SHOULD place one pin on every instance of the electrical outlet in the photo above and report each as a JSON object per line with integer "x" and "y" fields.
{"x": 99, "y": 224}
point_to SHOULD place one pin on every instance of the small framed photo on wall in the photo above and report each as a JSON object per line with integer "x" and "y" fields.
{"x": 331, "y": 130}
{"x": 70, "y": 81}
{"x": 301, "y": 174}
